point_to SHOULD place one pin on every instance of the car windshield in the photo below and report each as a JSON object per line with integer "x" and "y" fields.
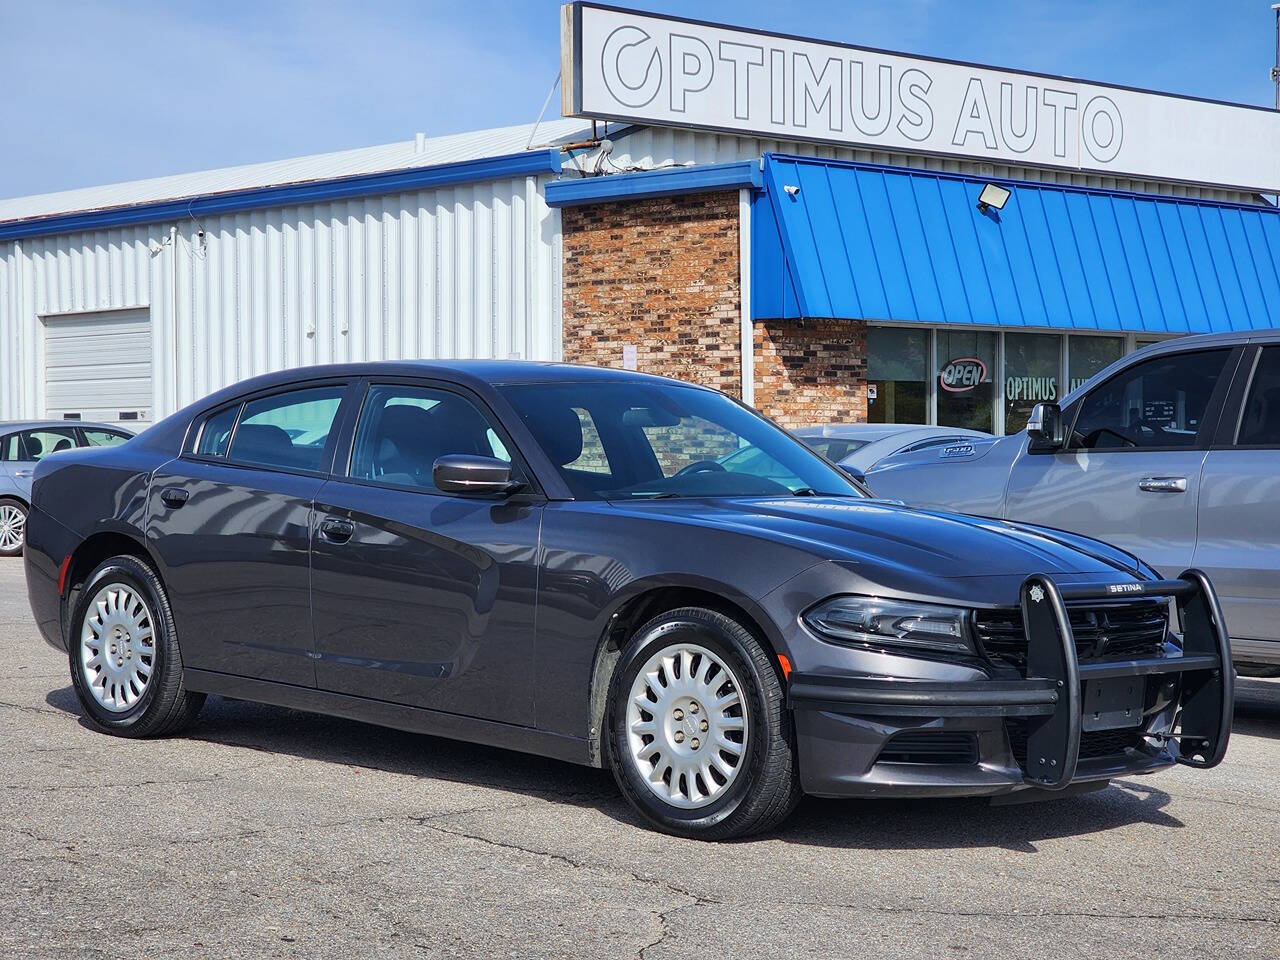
{"x": 627, "y": 441}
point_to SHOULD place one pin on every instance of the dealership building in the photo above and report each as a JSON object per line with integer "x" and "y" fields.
{"x": 832, "y": 233}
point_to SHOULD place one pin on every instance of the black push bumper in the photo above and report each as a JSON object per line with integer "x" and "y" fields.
{"x": 1050, "y": 698}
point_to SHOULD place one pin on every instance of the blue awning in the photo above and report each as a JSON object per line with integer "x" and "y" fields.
{"x": 857, "y": 241}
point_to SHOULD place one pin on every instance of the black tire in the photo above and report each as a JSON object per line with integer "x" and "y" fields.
{"x": 767, "y": 785}
{"x": 22, "y": 509}
{"x": 165, "y": 706}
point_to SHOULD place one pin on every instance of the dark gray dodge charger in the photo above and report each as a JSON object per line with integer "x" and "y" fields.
{"x": 568, "y": 561}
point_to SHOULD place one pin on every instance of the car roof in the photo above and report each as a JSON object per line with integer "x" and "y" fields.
{"x": 480, "y": 375}
{"x": 12, "y": 426}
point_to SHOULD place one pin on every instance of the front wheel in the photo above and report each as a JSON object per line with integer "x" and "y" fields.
{"x": 699, "y": 738}
{"x": 125, "y": 662}
{"x": 13, "y": 527}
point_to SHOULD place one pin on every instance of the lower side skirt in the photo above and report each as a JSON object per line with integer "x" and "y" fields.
{"x": 396, "y": 715}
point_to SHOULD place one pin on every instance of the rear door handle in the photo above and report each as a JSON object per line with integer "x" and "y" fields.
{"x": 335, "y": 530}
{"x": 1163, "y": 484}
{"x": 174, "y": 496}
{"x": 23, "y": 473}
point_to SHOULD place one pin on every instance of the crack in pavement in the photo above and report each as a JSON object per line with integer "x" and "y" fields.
{"x": 1020, "y": 914}
{"x": 662, "y": 916}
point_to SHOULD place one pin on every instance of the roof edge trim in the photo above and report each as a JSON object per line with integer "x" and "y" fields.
{"x": 405, "y": 180}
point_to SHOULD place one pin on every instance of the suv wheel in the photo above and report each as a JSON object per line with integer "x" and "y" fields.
{"x": 698, "y": 736}
{"x": 125, "y": 662}
{"x": 13, "y": 527}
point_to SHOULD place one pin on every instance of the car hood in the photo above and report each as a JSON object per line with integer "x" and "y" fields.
{"x": 882, "y": 539}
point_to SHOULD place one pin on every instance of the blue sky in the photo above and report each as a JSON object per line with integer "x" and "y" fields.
{"x": 101, "y": 92}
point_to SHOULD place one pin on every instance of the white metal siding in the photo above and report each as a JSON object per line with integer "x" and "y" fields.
{"x": 465, "y": 271}
{"x": 98, "y": 366}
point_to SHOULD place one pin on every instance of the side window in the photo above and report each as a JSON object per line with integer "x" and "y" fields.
{"x": 41, "y": 443}
{"x": 1260, "y": 421}
{"x": 215, "y": 435}
{"x": 287, "y": 430}
{"x": 1158, "y": 403}
{"x": 593, "y": 459}
{"x": 403, "y": 431}
{"x": 104, "y": 438}
{"x": 9, "y": 447}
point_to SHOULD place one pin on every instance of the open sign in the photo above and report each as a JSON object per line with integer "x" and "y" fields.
{"x": 961, "y": 374}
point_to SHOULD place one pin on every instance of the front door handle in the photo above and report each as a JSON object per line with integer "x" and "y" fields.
{"x": 174, "y": 496}
{"x": 335, "y": 530}
{"x": 1163, "y": 484}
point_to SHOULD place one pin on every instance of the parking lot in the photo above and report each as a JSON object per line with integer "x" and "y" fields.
{"x": 271, "y": 833}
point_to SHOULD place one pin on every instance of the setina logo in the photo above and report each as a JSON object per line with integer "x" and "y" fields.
{"x": 962, "y": 374}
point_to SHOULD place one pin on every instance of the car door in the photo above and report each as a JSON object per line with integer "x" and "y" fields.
{"x": 32, "y": 447}
{"x": 1130, "y": 471}
{"x": 230, "y": 521}
{"x": 421, "y": 597}
{"x": 1239, "y": 508}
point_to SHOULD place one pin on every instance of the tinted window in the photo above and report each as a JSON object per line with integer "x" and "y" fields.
{"x": 832, "y": 448}
{"x": 287, "y": 430}
{"x": 1260, "y": 422}
{"x": 41, "y": 443}
{"x": 667, "y": 440}
{"x": 404, "y": 430}
{"x": 216, "y": 433}
{"x": 104, "y": 438}
{"x": 9, "y": 447}
{"x": 1158, "y": 403}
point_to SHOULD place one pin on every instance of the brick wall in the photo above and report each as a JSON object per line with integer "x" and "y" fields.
{"x": 811, "y": 371}
{"x": 661, "y": 274}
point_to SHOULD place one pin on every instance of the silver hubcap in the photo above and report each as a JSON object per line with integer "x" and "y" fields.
{"x": 686, "y": 727}
{"x": 117, "y": 647}
{"x": 13, "y": 526}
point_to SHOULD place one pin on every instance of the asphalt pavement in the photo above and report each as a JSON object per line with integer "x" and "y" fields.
{"x": 271, "y": 833}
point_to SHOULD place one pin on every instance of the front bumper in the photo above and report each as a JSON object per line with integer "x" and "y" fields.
{"x": 872, "y": 736}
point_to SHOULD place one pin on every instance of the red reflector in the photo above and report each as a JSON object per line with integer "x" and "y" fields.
{"x": 785, "y": 664}
{"x": 62, "y": 576}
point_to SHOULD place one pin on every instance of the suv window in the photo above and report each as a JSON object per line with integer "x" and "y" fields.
{"x": 9, "y": 447}
{"x": 404, "y": 430}
{"x": 1160, "y": 402}
{"x": 1260, "y": 421}
{"x": 287, "y": 430}
{"x": 40, "y": 443}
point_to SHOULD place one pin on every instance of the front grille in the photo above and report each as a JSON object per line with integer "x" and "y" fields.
{"x": 930, "y": 746}
{"x": 1093, "y": 744}
{"x": 1114, "y": 631}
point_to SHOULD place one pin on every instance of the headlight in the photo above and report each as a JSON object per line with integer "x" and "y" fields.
{"x": 879, "y": 622}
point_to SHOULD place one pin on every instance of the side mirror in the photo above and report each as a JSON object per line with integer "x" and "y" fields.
{"x": 1044, "y": 427}
{"x": 853, "y": 473}
{"x": 476, "y": 476}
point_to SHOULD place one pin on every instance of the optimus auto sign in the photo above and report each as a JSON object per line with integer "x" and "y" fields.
{"x": 626, "y": 65}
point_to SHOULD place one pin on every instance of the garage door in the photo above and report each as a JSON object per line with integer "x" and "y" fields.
{"x": 98, "y": 366}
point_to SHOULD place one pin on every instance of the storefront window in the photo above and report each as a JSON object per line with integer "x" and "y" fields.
{"x": 1087, "y": 355}
{"x": 966, "y": 362}
{"x": 1032, "y": 370}
{"x": 897, "y": 364}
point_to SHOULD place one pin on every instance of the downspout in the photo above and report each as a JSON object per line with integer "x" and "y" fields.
{"x": 746, "y": 328}
{"x": 173, "y": 282}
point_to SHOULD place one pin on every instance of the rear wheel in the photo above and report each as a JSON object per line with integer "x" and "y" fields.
{"x": 13, "y": 527}
{"x": 126, "y": 665}
{"x": 699, "y": 739}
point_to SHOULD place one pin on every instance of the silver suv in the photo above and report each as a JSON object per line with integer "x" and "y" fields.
{"x": 1172, "y": 452}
